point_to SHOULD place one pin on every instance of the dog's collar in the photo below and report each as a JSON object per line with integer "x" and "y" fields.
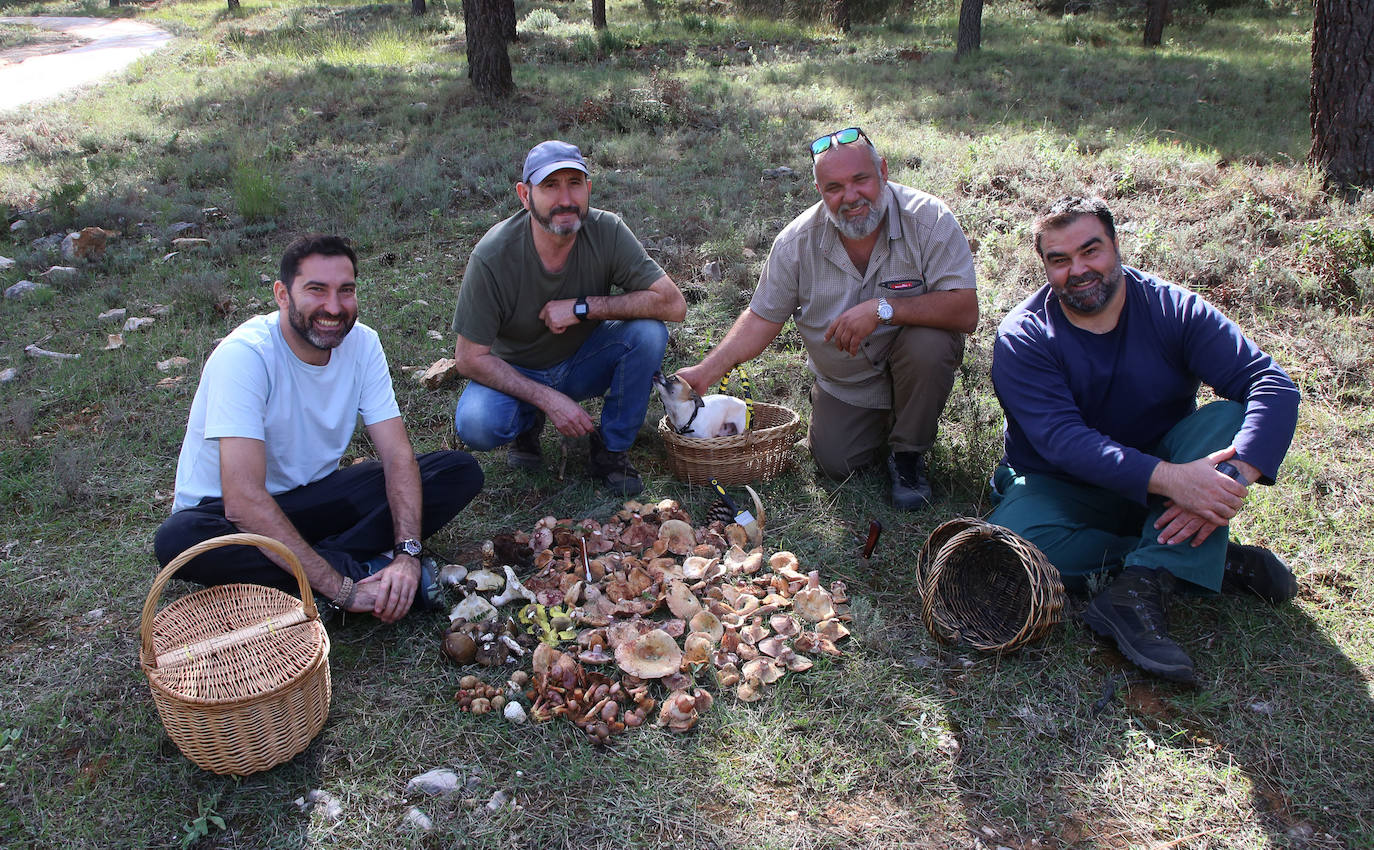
{"x": 697, "y": 405}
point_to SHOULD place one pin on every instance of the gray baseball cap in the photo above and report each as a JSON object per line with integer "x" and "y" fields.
{"x": 547, "y": 157}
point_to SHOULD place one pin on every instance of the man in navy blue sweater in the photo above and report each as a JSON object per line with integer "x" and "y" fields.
{"x": 1110, "y": 464}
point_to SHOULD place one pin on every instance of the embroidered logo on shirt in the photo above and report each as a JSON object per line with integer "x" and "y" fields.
{"x": 902, "y": 285}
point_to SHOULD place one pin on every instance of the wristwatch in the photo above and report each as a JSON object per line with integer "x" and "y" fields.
{"x": 580, "y": 309}
{"x": 884, "y": 311}
{"x": 1231, "y": 471}
{"x": 411, "y": 547}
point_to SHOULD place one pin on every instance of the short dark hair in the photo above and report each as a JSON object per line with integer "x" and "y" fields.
{"x": 323, "y": 244}
{"x": 1069, "y": 209}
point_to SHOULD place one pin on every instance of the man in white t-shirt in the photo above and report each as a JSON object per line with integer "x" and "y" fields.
{"x": 275, "y": 410}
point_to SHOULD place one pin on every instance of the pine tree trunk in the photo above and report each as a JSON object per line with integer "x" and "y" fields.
{"x": 417, "y": 7}
{"x": 233, "y": 5}
{"x": 840, "y": 14}
{"x": 1155, "y": 13}
{"x": 1342, "y": 100}
{"x": 488, "y": 61}
{"x": 970, "y": 28}
{"x": 506, "y": 10}
{"x": 599, "y": 14}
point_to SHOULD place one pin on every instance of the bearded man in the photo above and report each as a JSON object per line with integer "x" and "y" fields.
{"x": 1110, "y": 466}
{"x": 879, "y": 280}
{"x": 275, "y": 410}
{"x": 539, "y": 328}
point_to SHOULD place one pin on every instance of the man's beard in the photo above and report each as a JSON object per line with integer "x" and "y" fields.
{"x": 318, "y": 337}
{"x": 546, "y": 222}
{"x": 1093, "y": 300}
{"x": 859, "y": 228}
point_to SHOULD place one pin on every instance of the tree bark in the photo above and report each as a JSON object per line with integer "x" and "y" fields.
{"x": 599, "y": 14}
{"x": 1155, "y": 13}
{"x": 1342, "y": 100}
{"x": 233, "y": 5}
{"x": 506, "y": 10}
{"x": 839, "y": 12}
{"x": 488, "y": 61}
{"x": 970, "y": 28}
{"x": 417, "y": 7}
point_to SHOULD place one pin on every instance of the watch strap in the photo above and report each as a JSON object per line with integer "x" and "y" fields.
{"x": 1233, "y": 472}
{"x": 580, "y": 309}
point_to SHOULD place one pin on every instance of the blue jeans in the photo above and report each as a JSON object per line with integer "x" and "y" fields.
{"x": 617, "y": 361}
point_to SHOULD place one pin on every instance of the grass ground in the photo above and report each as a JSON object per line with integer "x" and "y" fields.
{"x": 358, "y": 118}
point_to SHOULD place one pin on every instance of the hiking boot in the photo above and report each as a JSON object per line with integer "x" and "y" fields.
{"x": 1132, "y": 612}
{"x": 1254, "y": 569}
{"x": 612, "y": 469}
{"x": 910, "y": 488}
{"x": 525, "y": 452}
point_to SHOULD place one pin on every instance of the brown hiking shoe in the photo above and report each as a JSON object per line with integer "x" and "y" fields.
{"x": 612, "y": 469}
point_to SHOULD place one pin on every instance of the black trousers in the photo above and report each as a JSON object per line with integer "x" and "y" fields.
{"x": 343, "y": 516}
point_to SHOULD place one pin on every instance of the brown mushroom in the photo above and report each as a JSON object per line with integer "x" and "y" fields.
{"x": 749, "y": 690}
{"x": 784, "y": 625}
{"x": 772, "y": 646}
{"x": 766, "y": 670}
{"x": 679, "y": 712}
{"x": 813, "y": 601}
{"x": 833, "y": 629}
{"x": 460, "y": 647}
{"x": 680, "y": 536}
{"x": 681, "y": 601}
{"x": 696, "y": 649}
{"x": 650, "y": 656}
{"x": 705, "y": 621}
{"x": 727, "y": 675}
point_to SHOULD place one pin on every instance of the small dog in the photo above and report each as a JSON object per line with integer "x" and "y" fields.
{"x": 692, "y": 415}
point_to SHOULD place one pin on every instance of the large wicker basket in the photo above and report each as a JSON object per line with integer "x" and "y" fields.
{"x": 987, "y": 586}
{"x": 239, "y": 672}
{"x": 758, "y": 454}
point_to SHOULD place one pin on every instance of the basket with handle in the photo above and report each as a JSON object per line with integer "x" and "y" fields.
{"x": 987, "y": 586}
{"x": 761, "y": 452}
{"x": 239, "y": 672}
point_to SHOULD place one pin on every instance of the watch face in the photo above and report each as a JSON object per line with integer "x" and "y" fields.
{"x": 884, "y": 311}
{"x": 410, "y": 547}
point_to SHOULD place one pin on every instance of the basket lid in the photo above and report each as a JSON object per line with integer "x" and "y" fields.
{"x": 232, "y": 642}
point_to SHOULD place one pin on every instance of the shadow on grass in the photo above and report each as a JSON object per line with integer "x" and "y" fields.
{"x": 1274, "y": 741}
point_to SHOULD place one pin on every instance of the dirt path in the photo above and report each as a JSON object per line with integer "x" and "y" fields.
{"x": 108, "y": 46}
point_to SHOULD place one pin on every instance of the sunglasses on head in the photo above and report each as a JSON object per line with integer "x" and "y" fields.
{"x": 839, "y": 137}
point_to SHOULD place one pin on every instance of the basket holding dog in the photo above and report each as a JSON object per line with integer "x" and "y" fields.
{"x": 722, "y": 437}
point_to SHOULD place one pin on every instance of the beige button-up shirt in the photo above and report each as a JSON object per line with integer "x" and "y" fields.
{"x": 809, "y": 278}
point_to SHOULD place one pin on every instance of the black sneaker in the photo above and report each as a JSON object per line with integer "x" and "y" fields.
{"x": 910, "y": 488}
{"x": 525, "y": 452}
{"x": 1254, "y": 569}
{"x": 1132, "y": 612}
{"x": 612, "y": 469}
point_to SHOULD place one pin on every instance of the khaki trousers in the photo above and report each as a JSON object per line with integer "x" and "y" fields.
{"x": 921, "y": 366}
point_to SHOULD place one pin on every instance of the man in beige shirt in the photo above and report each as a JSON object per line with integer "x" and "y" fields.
{"x": 879, "y": 280}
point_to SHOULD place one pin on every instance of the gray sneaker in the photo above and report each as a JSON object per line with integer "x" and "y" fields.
{"x": 910, "y": 488}
{"x": 525, "y": 452}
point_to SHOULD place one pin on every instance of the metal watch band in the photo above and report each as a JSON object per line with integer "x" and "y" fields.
{"x": 340, "y": 599}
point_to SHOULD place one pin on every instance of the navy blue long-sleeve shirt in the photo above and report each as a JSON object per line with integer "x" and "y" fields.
{"x": 1090, "y": 406}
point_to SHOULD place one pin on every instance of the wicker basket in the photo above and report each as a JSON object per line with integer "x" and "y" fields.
{"x": 987, "y": 586}
{"x": 239, "y": 672}
{"x": 758, "y": 454}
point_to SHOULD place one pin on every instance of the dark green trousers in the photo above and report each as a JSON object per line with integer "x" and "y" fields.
{"x": 1084, "y": 529}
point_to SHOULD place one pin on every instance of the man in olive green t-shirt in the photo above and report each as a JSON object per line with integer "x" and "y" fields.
{"x": 539, "y": 328}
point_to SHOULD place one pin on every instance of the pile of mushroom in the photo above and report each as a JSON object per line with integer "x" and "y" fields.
{"x": 644, "y": 596}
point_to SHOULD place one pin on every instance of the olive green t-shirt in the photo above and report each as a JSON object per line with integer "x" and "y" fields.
{"x": 505, "y": 286}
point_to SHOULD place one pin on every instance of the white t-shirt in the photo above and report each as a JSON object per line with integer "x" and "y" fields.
{"x": 254, "y": 386}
